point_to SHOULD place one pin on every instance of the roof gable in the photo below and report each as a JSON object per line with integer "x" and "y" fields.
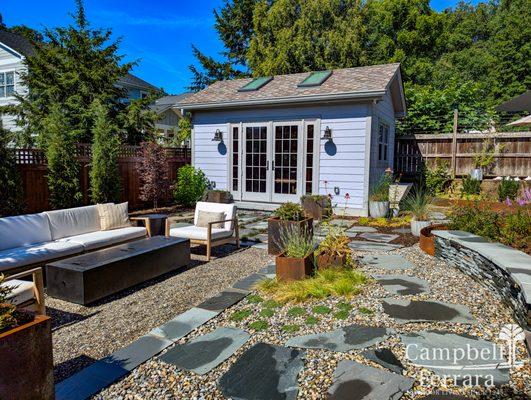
{"x": 349, "y": 83}
{"x": 16, "y": 44}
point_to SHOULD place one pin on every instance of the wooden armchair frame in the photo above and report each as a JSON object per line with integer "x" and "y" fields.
{"x": 38, "y": 289}
{"x": 209, "y": 243}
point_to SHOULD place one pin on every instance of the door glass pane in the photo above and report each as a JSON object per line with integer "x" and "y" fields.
{"x": 309, "y": 158}
{"x": 235, "y": 170}
{"x": 256, "y": 159}
{"x": 286, "y": 156}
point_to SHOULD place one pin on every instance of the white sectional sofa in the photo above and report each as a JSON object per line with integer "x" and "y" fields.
{"x": 32, "y": 240}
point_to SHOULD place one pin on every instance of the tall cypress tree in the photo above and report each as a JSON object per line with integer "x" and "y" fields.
{"x": 105, "y": 181}
{"x": 11, "y": 197}
{"x": 72, "y": 66}
{"x": 63, "y": 168}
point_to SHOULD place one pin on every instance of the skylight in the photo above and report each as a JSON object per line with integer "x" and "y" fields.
{"x": 256, "y": 84}
{"x": 315, "y": 79}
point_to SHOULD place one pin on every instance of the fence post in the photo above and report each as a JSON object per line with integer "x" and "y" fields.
{"x": 454, "y": 144}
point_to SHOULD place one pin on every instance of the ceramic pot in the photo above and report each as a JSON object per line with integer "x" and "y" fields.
{"x": 416, "y": 226}
{"x": 477, "y": 174}
{"x": 378, "y": 209}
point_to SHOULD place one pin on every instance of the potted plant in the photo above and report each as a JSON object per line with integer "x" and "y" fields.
{"x": 317, "y": 206}
{"x": 417, "y": 204}
{"x": 296, "y": 261}
{"x": 333, "y": 251}
{"x": 483, "y": 160}
{"x": 427, "y": 240}
{"x": 217, "y": 196}
{"x": 288, "y": 215}
{"x": 379, "y": 197}
{"x": 26, "y": 361}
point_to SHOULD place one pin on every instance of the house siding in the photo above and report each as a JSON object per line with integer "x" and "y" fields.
{"x": 9, "y": 62}
{"x": 342, "y": 164}
{"x": 382, "y": 111}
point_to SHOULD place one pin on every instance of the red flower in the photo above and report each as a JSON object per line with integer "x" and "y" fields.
{"x": 347, "y": 196}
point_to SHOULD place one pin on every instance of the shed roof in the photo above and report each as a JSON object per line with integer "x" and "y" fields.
{"x": 167, "y": 102}
{"x": 349, "y": 83}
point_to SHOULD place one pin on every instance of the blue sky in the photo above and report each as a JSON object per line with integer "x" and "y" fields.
{"x": 157, "y": 33}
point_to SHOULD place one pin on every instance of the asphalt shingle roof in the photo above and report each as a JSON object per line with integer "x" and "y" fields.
{"x": 17, "y": 42}
{"x": 132, "y": 80}
{"x": 166, "y": 102}
{"x": 342, "y": 81}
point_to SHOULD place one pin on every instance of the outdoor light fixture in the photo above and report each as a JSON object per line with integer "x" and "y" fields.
{"x": 336, "y": 189}
{"x": 218, "y": 136}
{"x": 327, "y": 134}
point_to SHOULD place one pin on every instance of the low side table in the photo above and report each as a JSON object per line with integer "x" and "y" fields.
{"x": 154, "y": 223}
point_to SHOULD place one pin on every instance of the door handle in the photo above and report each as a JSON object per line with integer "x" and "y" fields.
{"x": 267, "y": 166}
{"x": 272, "y": 165}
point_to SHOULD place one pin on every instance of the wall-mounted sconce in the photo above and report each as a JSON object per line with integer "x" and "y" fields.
{"x": 336, "y": 189}
{"x": 327, "y": 134}
{"x": 218, "y": 136}
{"x": 213, "y": 184}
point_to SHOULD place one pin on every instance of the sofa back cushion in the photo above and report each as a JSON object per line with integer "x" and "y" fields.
{"x": 113, "y": 216}
{"x": 23, "y": 230}
{"x": 228, "y": 209}
{"x": 73, "y": 221}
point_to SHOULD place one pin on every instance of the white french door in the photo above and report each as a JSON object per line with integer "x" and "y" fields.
{"x": 273, "y": 161}
{"x": 256, "y": 180}
{"x": 287, "y": 150}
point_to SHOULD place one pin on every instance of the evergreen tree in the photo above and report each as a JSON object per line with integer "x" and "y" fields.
{"x": 63, "y": 168}
{"x": 105, "y": 181}
{"x": 234, "y": 24}
{"x": 11, "y": 198}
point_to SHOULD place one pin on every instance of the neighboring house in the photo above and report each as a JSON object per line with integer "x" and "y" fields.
{"x": 15, "y": 48}
{"x": 167, "y": 108}
{"x": 328, "y": 132}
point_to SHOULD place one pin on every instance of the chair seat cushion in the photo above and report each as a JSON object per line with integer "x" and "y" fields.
{"x": 22, "y": 291}
{"x": 95, "y": 240}
{"x": 197, "y": 233}
{"x": 36, "y": 253}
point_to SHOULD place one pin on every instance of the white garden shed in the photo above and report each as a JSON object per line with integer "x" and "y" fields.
{"x": 269, "y": 140}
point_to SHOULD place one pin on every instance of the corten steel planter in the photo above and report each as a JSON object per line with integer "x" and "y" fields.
{"x": 427, "y": 240}
{"x": 317, "y": 208}
{"x": 218, "y": 197}
{"x": 275, "y": 227}
{"x": 26, "y": 361}
{"x": 293, "y": 269}
{"x": 325, "y": 260}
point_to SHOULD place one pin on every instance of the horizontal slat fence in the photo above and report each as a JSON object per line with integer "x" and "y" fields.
{"x": 411, "y": 152}
{"x": 33, "y": 169}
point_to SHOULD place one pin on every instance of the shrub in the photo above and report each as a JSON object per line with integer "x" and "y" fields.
{"x": 480, "y": 222}
{"x": 329, "y": 282}
{"x": 296, "y": 244}
{"x": 418, "y": 203}
{"x": 63, "y": 168}
{"x": 380, "y": 191}
{"x": 289, "y": 212}
{"x": 436, "y": 177}
{"x": 12, "y": 199}
{"x": 153, "y": 171}
{"x": 508, "y": 189}
{"x": 9, "y": 316}
{"x": 191, "y": 184}
{"x": 470, "y": 186}
{"x": 105, "y": 181}
{"x": 516, "y": 229}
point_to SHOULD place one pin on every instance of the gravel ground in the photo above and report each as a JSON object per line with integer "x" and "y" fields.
{"x": 157, "y": 380}
{"x": 82, "y": 335}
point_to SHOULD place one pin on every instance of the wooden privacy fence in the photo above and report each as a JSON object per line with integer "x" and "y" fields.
{"x": 458, "y": 151}
{"x": 33, "y": 169}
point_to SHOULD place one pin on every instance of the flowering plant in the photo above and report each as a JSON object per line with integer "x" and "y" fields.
{"x": 521, "y": 201}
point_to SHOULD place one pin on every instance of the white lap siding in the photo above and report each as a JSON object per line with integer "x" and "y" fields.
{"x": 342, "y": 164}
{"x": 209, "y": 156}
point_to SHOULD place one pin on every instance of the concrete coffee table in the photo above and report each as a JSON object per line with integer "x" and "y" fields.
{"x": 93, "y": 276}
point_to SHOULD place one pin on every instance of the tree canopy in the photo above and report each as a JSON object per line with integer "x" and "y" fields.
{"x": 475, "y": 56}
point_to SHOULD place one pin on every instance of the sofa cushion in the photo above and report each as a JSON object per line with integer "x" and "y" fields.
{"x": 24, "y": 230}
{"x": 22, "y": 291}
{"x": 95, "y": 240}
{"x": 113, "y": 216}
{"x": 73, "y": 221}
{"x": 198, "y": 233}
{"x": 36, "y": 254}
{"x": 228, "y": 209}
